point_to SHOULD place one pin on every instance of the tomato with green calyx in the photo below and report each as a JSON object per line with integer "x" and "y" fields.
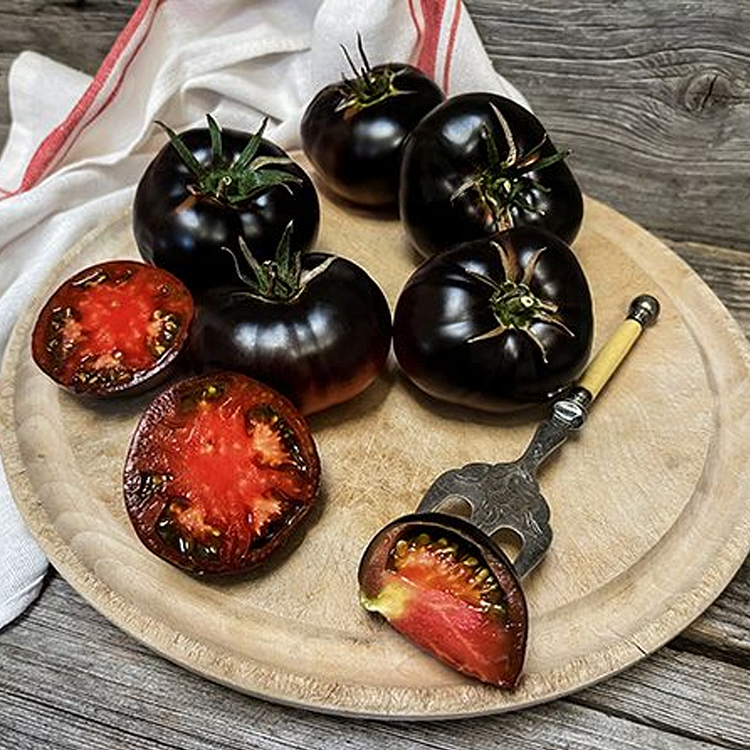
{"x": 479, "y": 164}
{"x": 220, "y": 471}
{"x": 496, "y": 324}
{"x": 208, "y": 187}
{"x": 445, "y": 586}
{"x": 315, "y": 326}
{"x": 114, "y": 328}
{"x": 353, "y": 131}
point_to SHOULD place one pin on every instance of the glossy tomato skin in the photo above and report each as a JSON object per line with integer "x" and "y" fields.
{"x": 220, "y": 471}
{"x": 321, "y": 348}
{"x": 357, "y": 152}
{"x": 448, "y": 149}
{"x": 449, "y": 342}
{"x": 184, "y": 232}
{"x": 115, "y": 328}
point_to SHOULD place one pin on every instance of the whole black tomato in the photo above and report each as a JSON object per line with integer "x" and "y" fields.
{"x": 479, "y": 164}
{"x": 316, "y": 327}
{"x": 353, "y": 130}
{"x": 496, "y": 324}
{"x": 208, "y": 187}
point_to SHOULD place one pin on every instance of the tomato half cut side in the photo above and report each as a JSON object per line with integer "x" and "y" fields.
{"x": 220, "y": 470}
{"x": 446, "y": 587}
{"x": 113, "y": 328}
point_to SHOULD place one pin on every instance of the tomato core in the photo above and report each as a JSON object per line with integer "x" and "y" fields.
{"x": 230, "y": 466}
{"x": 120, "y": 320}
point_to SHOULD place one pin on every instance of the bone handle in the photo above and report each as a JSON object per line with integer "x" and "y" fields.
{"x": 643, "y": 311}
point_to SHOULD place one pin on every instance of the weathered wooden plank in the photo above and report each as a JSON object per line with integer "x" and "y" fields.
{"x": 653, "y": 99}
{"x": 140, "y": 700}
{"x": 77, "y": 34}
{"x": 724, "y": 630}
{"x": 721, "y": 690}
{"x": 5, "y": 62}
{"x": 726, "y": 271}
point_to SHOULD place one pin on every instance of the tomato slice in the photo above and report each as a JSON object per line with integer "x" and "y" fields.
{"x": 450, "y": 592}
{"x": 220, "y": 470}
{"x": 115, "y": 327}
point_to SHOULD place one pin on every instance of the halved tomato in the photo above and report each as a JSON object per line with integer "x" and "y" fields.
{"x": 451, "y": 591}
{"x": 113, "y": 328}
{"x": 220, "y": 470}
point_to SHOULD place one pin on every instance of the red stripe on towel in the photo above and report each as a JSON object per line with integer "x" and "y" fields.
{"x": 432, "y": 13}
{"x": 59, "y": 140}
{"x": 452, "y": 33}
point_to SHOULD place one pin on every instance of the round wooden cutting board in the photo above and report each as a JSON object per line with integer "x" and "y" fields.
{"x": 650, "y": 502}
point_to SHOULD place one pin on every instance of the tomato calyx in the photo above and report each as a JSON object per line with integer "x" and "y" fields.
{"x": 368, "y": 86}
{"x": 231, "y": 182}
{"x": 505, "y": 184}
{"x": 513, "y": 303}
{"x": 280, "y": 279}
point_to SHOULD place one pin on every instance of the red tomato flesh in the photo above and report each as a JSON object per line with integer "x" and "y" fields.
{"x": 112, "y": 327}
{"x": 447, "y": 598}
{"x": 220, "y": 470}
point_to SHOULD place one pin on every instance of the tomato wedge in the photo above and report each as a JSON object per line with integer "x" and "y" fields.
{"x": 113, "y": 328}
{"x": 220, "y": 470}
{"x": 443, "y": 587}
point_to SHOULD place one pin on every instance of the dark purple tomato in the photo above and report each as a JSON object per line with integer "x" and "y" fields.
{"x": 479, "y": 164}
{"x": 496, "y": 324}
{"x": 319, "y": 334}
{"x": 353, "y": 130}
{"x": 114, "y": 328}
{"x": 208, "y": 187}
{"x": 220, "y": 470}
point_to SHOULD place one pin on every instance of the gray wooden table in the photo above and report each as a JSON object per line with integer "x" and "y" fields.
{"x": 654, "y": 100}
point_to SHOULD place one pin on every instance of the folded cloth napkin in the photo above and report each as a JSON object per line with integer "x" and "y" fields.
{"x": 77, "y": 146}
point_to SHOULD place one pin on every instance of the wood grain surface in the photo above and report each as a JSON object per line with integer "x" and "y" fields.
{"x": 653, "y": 99}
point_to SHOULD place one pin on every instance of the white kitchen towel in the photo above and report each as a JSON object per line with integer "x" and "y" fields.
{"x": 77, "y": 145}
